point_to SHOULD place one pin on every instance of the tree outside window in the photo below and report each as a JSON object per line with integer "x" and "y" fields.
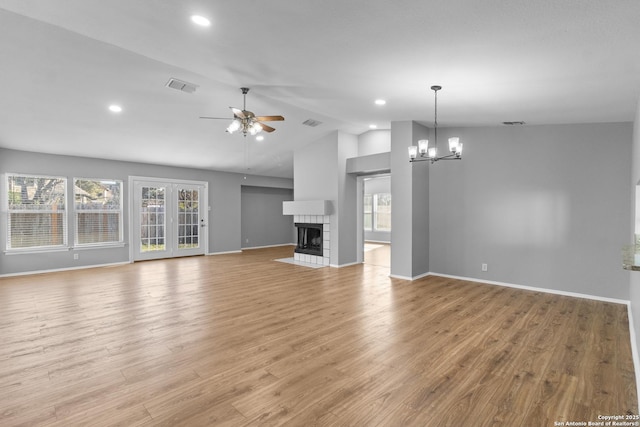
{"x": 98, "y": 210}
{"x": 36, "y": 211}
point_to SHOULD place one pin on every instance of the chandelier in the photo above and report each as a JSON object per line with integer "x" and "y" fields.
{"x": 423, "y": 152}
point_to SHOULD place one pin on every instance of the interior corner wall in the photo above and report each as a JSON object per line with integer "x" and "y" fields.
{"x": 224, "y": 218}
{"x": 347, "y": 201}
{"x": 262, "y": 221}
{"x": 420, "y": 208}
{"x": 634, "y": 276}
{"x": 542, "y": 206}
{"x": 410, "y": 198}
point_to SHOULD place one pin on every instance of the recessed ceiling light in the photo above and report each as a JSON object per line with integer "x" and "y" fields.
{"x": 380, "y": 102}
{"x": 115, "y": 108}
{"x": 372, "y": 126}
{"x": 259, "y": 138}
{"x": 200, "y": 20}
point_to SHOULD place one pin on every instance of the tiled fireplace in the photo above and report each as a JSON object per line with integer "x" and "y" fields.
{"x": 313, "y": 225}
{"x": 313, "y": 245}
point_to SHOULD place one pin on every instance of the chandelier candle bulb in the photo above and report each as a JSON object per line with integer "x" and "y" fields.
{"x": 413, "y": 152}
{"x": 454, "y": 141}
{"x": 432, "y": 152}
{"x": 423, "y": 145}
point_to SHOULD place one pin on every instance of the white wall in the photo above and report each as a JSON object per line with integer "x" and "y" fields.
{"x": 374, "y": 142}
{"x": 543, "y": 206}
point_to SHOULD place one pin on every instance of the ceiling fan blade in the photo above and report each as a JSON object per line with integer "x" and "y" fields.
{"x": 269, "y": 118}
{"x": 238, "y": 112}
{"x": 266, "y": 128}
{"x": 216, "y": 118}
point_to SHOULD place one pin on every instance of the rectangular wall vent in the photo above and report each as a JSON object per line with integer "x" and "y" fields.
{"x": 181, "y": 85}
{"x": 311, "y": 122}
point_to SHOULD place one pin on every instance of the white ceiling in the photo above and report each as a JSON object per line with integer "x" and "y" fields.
{"x": 64, "y": 61}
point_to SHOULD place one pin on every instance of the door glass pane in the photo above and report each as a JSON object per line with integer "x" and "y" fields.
{"x": 188, "y": 223}
{"x": 152, "y": 219}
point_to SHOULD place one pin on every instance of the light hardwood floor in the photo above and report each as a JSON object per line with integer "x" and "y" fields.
{"x": 241, "y": 339}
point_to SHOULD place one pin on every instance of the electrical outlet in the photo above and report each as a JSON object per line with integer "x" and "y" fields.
{"x": 246, "y": 240}
{"x": 76, "y": 256}
{"x": 485, "y": 267}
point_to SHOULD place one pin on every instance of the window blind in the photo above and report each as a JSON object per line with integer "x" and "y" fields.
{"x": 98, "y": 211}
{"x": 36, "y": 212}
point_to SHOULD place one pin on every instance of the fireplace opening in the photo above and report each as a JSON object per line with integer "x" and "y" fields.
{"x": 309, "y": 239}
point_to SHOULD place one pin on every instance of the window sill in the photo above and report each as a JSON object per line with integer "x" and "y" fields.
{"x": 28, "y": 251}
{"x": 99, "y": 246}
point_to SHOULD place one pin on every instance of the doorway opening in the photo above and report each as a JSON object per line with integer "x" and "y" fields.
{"x": 376, "y": 220}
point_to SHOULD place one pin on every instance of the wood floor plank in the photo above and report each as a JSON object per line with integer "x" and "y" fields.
{"x": 242, "y": 340}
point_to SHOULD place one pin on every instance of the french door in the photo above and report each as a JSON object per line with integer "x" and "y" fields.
{"x": 169, "y": 218}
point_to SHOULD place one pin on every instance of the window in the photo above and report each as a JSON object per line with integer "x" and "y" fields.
{"x": 377, "y": 212}
{"x": 98, "y": 211}
{"x": 368, "y": 212}
{"x": 382, "y": 212}
{"x": 36, "y": 214}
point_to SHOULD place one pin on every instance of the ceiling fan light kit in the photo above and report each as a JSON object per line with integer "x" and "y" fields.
{"x": 424, "y": 152}
{"x": 247, "y": 122}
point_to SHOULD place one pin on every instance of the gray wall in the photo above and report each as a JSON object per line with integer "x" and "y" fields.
{"x": 347, "y": 201}
{"x": 224, "y": 199}
{"x": 543, "y": 206}
{"x": 410, "y": 194}
{"x": 262, "y": 221}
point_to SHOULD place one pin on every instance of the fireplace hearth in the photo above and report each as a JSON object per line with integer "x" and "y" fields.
{"x": 309, "y": 239}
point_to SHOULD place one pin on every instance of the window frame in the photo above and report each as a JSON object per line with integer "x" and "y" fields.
{"x": 367, "y": 208}
{"x": 119, "y": 211}
{"x": 7, "y": 212}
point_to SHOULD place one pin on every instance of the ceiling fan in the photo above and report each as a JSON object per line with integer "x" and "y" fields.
{"x": 247, "y": 122}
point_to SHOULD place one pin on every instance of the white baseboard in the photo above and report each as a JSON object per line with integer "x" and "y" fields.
{"x": 56, "y": 270}
{"x": 349, "y": 264}
{"x": 420, "y": 276}
{"x": 268, "y": 246}
{"x": 224, "y": 253}
{"x": 536, "y": 289}
{"x": 634, "y": 351}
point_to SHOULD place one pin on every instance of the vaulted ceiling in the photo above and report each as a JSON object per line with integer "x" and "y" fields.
{"x": 65, "y": 61}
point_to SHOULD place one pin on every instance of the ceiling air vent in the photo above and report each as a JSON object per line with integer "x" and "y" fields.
{"x": 311, "y": 122}
{"x": 512, "y": 123}
{"x": 180, "y": 85}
